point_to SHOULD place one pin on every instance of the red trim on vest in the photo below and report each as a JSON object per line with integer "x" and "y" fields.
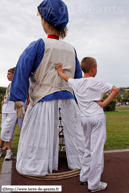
{"x": 53, "y": 37}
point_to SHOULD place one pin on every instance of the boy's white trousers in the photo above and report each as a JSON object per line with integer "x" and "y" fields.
{"x": 7, "y": 125}
{"x": 93, "y": 162}
{"x": 39, "y": 139}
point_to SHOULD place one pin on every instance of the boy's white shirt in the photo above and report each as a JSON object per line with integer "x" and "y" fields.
{"x": 8, "y": 106}
{"x": 88, "y": 90}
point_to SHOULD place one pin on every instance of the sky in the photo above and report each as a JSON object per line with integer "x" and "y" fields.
{"x": 96, "y": 28}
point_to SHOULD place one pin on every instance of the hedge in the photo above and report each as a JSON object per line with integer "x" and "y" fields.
{"x": 111, "y": 106}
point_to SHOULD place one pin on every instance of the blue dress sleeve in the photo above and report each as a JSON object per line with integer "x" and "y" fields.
{"x": 27, "y": 64}
{"x": 78, "y": 71}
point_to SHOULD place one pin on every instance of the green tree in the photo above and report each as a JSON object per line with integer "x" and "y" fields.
{"x": 105, "y": 96}
{"x": 125, "y": 96}
{"x": 2, "y": 90}
{"x": 111, "y": 106}
{"x": 118, "y": 97}
{"x": 1, "y": 97}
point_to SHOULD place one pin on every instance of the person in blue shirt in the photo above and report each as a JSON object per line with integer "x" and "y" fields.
{"x": 36, "y": 69}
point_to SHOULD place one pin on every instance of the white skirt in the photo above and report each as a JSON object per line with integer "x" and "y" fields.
{"x": 39, "y": 139}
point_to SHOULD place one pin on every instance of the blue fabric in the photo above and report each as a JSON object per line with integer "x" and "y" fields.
{"x": 27, "y": 64}
{"x": 78, "y": 71}
{"x": 55, "y": 12}
{"x": 58, "y": 95}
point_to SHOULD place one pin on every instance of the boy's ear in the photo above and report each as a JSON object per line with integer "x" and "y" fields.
{"x": 92, "y": 69}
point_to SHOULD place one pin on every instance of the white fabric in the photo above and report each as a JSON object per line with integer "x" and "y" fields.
{"x": 93, "y": 161}
{"x": 8, "y": 107}
{"x": 39, "y": 140}
{"x": 7, "y": 125}
{"x": 6, "y": 96}
{"x": 8, "y": 117}
{"x": 88, "y": 90}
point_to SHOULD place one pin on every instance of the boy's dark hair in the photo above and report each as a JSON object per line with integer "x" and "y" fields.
{"x": 87, "y": 63}
{"x": 62, "y": 33}
{"x": 12, "y": 70}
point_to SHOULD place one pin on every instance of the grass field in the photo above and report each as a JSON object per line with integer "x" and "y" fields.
{"x": 117, "y": 130}
{"x": 117, "y": 124}
{"x": 122, "y": 108}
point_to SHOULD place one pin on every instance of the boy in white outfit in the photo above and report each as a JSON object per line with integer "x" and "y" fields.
{"x": 8, "y": 119}
{"x": 89, "y": 93}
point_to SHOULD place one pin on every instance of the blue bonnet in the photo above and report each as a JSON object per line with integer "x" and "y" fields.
{"x": 55, "y": 12}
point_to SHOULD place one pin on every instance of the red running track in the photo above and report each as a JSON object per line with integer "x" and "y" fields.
{"x": 116, "y": 174}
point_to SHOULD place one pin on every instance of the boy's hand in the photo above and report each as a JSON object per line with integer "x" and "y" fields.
{"x": 100, "y": 103}
{"x": 112, "y": 95}
{"x": 61, "y": 72}
{"x": 59, "y": 68}
{"x": 2, "y": 102}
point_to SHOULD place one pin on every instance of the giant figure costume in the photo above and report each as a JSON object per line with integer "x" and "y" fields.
{"x": 39, "y": 139}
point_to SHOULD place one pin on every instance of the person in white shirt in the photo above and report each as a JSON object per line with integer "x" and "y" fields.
{"x": 8, "y": 119}
{"x": 89, "y": 93}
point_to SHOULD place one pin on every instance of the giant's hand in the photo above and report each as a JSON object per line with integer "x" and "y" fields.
{"x": 19, "y": 107}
